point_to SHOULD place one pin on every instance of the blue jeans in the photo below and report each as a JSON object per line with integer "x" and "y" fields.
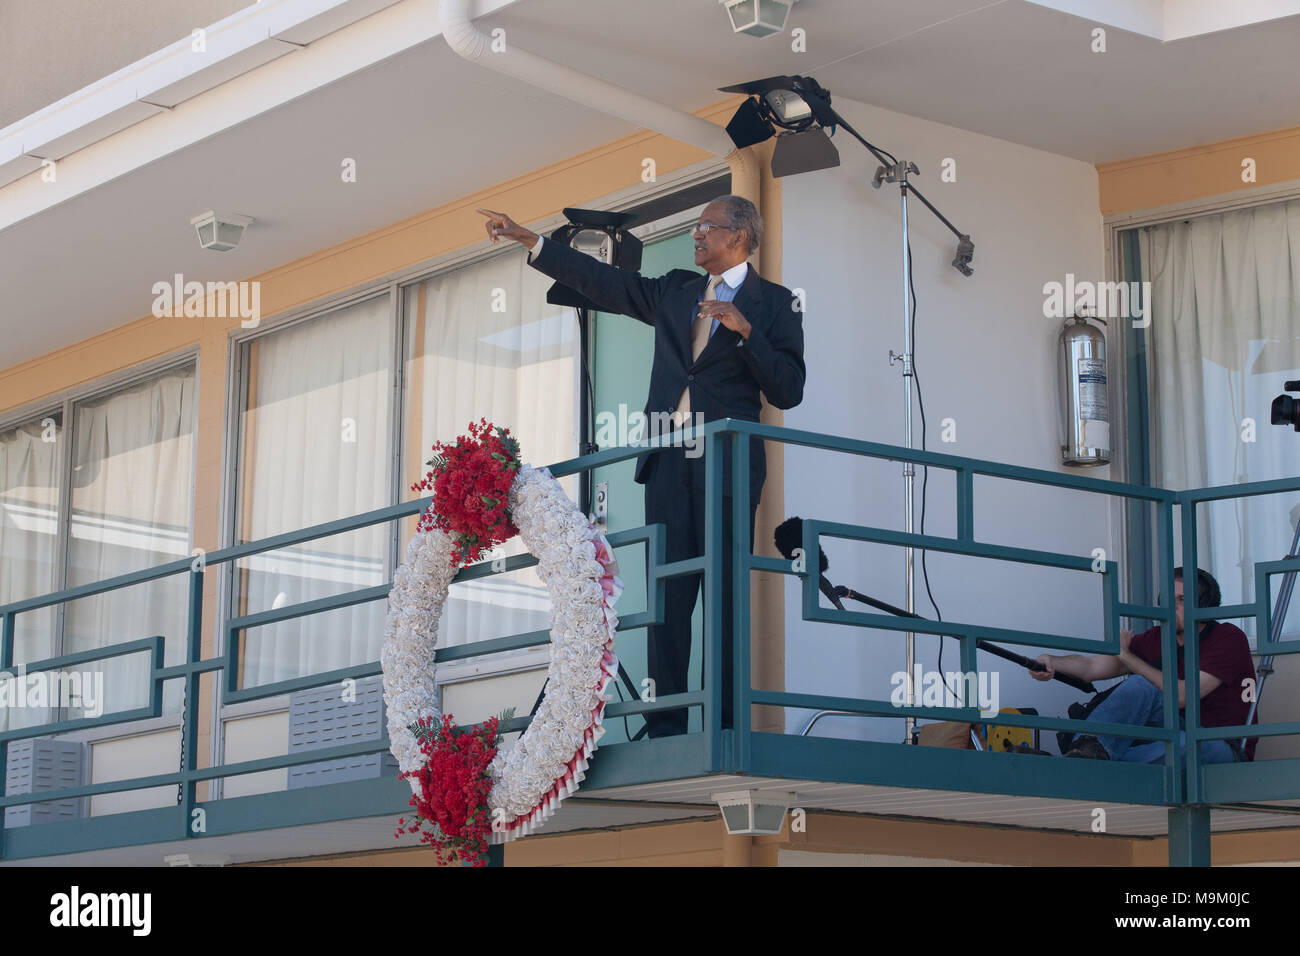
{"x": 1138, "y": 701}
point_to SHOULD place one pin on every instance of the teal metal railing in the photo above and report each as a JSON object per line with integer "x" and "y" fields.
{"x": 190, "y": 818}
{"x": 1268, "y": 779}
{"x": 979, "y": 777}
{"x": 1185, "y": 780}
{"x": 1179, "y": 781}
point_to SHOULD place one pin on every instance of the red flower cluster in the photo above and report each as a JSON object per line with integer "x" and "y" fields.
{"x": 454, "y": 788}
{"x": 470, "y": 481}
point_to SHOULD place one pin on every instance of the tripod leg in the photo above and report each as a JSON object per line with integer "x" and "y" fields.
{"x": 631, "y": 689}
{"x": 538, "y": 702}
{"x": 1280, "y": 608}
{"x": 627, "y": 681}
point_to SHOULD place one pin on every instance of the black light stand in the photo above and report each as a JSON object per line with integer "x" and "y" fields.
{"x": 798, "y": 105}
{"x": 604, "y": 236}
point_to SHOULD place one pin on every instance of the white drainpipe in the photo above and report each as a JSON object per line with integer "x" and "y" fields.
{"x": 476, "y": 46}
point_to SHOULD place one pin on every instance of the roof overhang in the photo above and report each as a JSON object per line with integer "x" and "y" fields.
{"x": 289, "y": 89}
{"x": 1167, "y": 20}
{"x": 208, "y": 58}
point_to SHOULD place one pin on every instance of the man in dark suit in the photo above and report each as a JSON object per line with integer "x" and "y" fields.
{"x": 721, "y": 339}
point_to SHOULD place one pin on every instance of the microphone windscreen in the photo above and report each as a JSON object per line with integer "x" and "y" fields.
{"x": 789, "y": 535}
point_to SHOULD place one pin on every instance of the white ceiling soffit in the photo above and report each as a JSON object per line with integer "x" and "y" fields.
{"x": 85, "y": 131}
{"x": 227, "y": 49}
{"x": 473, "y": 44}
{"x": 1167, "y": 20}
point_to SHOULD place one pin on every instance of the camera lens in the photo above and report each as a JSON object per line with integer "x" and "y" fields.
{"x": 1286, "y": 411}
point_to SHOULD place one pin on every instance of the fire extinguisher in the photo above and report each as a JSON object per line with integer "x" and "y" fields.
{"x": 1081, "y": 380}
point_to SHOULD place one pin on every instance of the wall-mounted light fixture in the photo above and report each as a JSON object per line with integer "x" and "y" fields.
{"x": 753, "y": 812}
{"x": 220, "y": 233}
{"x": 758, "y": 18}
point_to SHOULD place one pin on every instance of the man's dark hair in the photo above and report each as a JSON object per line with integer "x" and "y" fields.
{"x": 743, "y": 214}
{"x": 1207, "y": 590}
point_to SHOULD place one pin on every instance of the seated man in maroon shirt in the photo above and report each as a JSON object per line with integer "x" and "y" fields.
{"x": 1225, "y": 668}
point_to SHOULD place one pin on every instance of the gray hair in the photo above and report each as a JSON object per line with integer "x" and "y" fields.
{"x": 744, "y": 215}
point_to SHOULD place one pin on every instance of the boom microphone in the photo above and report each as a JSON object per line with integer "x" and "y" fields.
{"x": 788, "y": 537}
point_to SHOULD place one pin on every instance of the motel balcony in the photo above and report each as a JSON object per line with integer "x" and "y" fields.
{"x": 779, "y": 744}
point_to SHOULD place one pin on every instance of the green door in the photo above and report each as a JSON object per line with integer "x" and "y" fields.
{"x": 621, "y": 352}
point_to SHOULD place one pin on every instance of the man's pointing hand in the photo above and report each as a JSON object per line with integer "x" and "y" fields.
{"x": 501, "y": 226}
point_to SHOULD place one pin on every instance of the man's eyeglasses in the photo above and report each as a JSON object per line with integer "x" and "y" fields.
{"x": 703, "y": 227}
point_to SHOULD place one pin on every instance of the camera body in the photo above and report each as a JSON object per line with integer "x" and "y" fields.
{"x": 1286, "y": 410}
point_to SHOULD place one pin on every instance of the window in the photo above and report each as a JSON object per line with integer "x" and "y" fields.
{"x": 314, "y": 441}
{"x": 320, "y": 438}
{"x": 481, "y": 342}
{"x": 108, "y": 496}
{"x": 29, "y": 523}
{"x": 1224, "y": 336}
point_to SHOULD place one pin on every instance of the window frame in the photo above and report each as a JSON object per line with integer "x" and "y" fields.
{"x": 238, "y": 341}
{"x": 1113, "y": 225}
{"x": 64, "y": 402}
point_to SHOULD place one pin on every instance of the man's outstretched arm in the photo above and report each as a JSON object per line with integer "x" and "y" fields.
{"x": 1089, "y": 667}
{"x": 610, "y": 288}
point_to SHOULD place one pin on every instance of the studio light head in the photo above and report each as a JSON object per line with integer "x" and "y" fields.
{"x": 601, "y": 235}
{"x": 797, "y": 111}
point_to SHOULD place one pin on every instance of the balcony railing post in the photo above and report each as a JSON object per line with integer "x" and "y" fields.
{"x": 741, "y": 546}
{"x": 965, "y": 480}
{"x": 965, "y": 504}
{"x": 713, "y": 585}
{"x": 1189, "y": 836}
{"x": 190, "y": 721}
{"x": 1174, "y": 780}
{"x": 969, "y": 665}
{"x": 7, "y": 625}
{"x": 1191, "y": 657}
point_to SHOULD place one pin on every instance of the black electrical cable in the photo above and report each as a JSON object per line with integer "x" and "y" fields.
{"x": 878, "y": 151}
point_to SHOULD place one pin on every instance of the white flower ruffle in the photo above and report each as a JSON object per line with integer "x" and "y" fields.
{"x": 550, "y": 759}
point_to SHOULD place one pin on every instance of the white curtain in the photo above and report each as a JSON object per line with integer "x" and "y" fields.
{"x": 132, "y": 475}
{"x": 483, "y": 343}
{"x": 29, "y": 511}
{"x": 315, "y": 447}
{"x": 1224, "y": 337}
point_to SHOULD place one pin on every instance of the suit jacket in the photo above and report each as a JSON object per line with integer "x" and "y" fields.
{"x": 727, "y": 378}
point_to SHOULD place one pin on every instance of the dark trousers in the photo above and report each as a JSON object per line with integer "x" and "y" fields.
{"x": 675, "y": 499}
